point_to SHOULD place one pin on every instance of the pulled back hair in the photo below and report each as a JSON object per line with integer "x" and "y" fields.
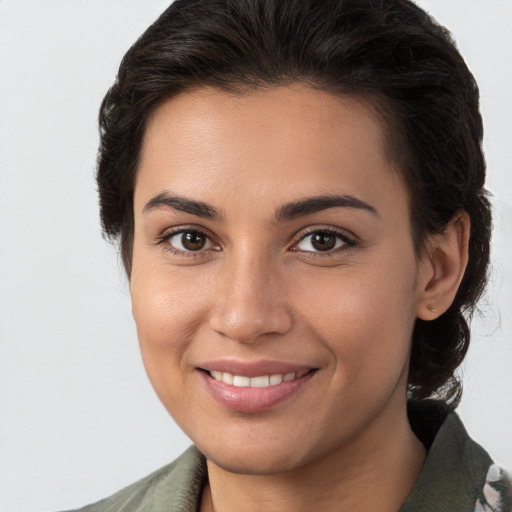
{"x": 387, "y": 52}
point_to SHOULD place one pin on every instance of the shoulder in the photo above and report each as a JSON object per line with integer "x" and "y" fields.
{"x": 458, "y": 475}
{"x": 176, "y": 486}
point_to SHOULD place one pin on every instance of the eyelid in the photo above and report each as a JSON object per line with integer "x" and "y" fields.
{"x": 169, "y": 233}
{"x": 349, "y": 240}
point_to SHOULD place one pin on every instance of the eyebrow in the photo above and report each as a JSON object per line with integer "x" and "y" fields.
{"x": 288, "y": 211}
{"x": 316, "y": 204}
{"x": 182, "y": 204}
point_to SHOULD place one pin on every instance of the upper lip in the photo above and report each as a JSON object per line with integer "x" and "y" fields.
{"x": 254, "y": 368}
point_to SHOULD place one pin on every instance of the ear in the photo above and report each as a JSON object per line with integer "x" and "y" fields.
{"x": 442, "y": 267}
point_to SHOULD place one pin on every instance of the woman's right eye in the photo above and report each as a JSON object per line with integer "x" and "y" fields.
{"x": 189, "y": 240}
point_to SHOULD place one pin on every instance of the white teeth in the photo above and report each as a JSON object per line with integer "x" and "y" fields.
{"x": 241, "y": 381}
{"x": 276, "y": 379}
{"x": 227, "y": 378}
{"x": 262, "y": 381}
{"x": 216, "y": 375}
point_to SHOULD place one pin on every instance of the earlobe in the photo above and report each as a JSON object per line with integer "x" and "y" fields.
{"x": 442, "y": 268}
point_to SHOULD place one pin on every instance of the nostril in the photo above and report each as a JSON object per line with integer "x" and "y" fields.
{"x": 246, "y": 325}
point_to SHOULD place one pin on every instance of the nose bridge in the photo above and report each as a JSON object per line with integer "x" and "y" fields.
{"x": 251, "y": 300}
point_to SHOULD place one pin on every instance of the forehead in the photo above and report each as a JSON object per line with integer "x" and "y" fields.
{"x": 296, "y": 110}
{"x": 288, "y": 139}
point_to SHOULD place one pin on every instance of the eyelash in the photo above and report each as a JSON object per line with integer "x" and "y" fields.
{"x": 164, "y": 239}
{"x": 348, "y": 242}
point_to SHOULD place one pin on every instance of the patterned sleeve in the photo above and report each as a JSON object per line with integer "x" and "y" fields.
{"x": 496, "y": 496}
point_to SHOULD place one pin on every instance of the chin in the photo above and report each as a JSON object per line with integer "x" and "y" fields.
{"x": 262, "y": 453}
{"x": 253, "y": 463}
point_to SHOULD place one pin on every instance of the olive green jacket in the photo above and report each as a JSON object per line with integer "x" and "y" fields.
{"x": 458, "y": 476}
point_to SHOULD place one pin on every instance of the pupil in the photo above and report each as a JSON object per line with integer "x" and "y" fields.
{"x": 323, "y": 241}
{"x": 193, "y": 241}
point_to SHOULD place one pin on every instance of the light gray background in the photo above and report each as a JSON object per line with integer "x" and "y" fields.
{"x": 78, "y": 418}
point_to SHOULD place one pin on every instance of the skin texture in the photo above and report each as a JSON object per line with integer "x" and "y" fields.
{"x": 259, "y": 290}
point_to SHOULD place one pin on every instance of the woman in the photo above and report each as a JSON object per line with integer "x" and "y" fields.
{"x": 297, "y": 189}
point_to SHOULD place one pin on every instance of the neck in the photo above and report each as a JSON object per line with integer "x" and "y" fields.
{"x": 386, "y": 459}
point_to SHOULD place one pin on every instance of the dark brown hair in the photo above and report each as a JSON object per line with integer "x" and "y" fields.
{"x": 387, "y": 51}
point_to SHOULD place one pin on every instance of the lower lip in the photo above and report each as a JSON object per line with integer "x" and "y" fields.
{"x": 249, "y": 399}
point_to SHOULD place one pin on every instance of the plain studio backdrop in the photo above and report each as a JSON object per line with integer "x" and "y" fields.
{"x": 78, "y": 417}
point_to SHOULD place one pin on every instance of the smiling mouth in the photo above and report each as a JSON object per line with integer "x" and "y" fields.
{"x": 243, "y": 393}
{"x": 262, "y": 381}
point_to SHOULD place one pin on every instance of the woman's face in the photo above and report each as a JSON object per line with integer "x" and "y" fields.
{"x": 273, "y": 243}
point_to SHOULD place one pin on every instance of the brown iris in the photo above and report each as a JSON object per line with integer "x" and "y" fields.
{"x": 323, "y": 241}
{"x": 193, "y": 241}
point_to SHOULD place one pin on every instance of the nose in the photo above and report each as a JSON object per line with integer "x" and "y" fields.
{"x": 250, "y": 301}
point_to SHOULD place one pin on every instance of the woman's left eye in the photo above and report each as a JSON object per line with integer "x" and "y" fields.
{"x": 323, "y": 241}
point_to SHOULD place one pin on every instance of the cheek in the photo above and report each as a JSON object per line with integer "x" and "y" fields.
{"x": 167, "y": 314}
{"x": 365, "y": 319}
